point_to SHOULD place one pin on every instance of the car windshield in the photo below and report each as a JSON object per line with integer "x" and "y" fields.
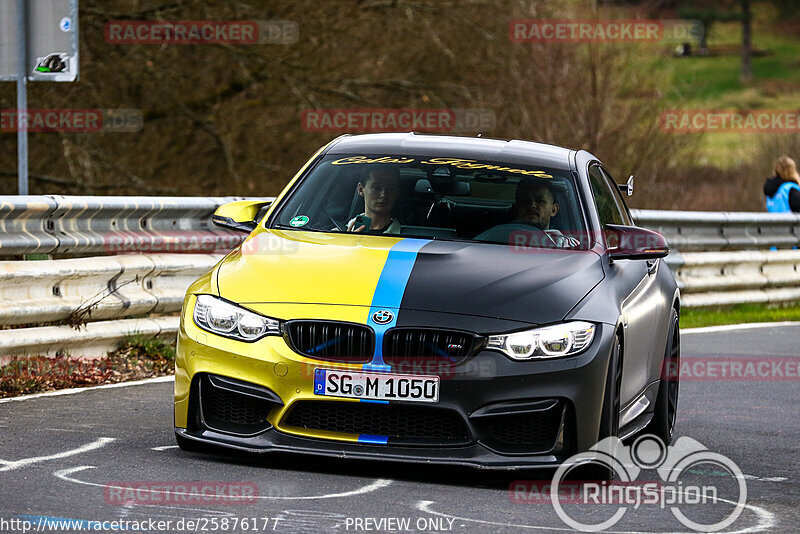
{"x": 437, "y": 198}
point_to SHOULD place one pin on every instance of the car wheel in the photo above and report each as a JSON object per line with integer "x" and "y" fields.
{"x": 609, "y": 420}
{"x": 666, "y": 409}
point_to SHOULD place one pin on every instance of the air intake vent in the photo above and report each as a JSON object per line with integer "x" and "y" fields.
{"x": 400, "y": 423}
{"x": 235, "y": 407}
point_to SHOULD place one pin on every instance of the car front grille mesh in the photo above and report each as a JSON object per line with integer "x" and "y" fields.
{"x": 353, "y": 343}
{"x": 402, "y": 346}
{"x": 334, "y": 341}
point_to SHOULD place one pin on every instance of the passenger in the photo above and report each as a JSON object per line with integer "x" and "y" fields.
{"x": 783, "y": 189}
{"x": 380, "y": 191}
{"x": 535, "y": 205}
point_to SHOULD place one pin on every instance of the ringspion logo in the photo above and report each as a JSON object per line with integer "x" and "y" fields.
{"x": 671, "y": 463}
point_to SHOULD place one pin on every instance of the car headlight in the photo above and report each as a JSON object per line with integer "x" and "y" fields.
{"x": 226, "y": 319}
{"x": 565, "y": 339}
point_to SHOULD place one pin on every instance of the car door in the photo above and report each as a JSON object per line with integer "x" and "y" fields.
{"x": 636, "y": 282}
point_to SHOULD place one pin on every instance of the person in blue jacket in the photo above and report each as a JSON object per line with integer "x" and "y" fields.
{"x": 783, "y": 189}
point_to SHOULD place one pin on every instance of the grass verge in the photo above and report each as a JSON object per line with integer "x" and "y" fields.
{"x": 740, "y": 313}
{"x": 137, "y": 357}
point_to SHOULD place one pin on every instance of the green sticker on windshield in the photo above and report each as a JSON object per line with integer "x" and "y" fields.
{"x": 300, "y": 220}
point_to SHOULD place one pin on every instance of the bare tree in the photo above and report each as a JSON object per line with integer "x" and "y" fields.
{"x": 746, "y": 75}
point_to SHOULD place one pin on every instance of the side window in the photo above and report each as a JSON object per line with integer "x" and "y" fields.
{"x": 604, "y": 197}
{"x": 623, "y": 208}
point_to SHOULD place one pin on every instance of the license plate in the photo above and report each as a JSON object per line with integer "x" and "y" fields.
{"x": 376, "y": 386}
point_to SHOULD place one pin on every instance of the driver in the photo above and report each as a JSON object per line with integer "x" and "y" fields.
{"x": 380, "y": 191}
{"x": 535, "y": 205}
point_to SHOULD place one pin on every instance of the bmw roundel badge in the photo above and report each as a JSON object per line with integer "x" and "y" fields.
{"x": 382, "y": 316}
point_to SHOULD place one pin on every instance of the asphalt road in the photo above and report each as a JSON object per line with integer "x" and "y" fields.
{"x": 65, "y": 457}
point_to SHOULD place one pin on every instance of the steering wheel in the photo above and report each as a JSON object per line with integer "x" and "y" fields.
{"x": 334, "y": 221}
{"x": 517, "y": 234}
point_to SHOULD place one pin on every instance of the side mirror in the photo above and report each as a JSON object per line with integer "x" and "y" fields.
{"x": 239, "y": 215}
{"x": 634, "y": 243}
{"x": 627, "y": 187}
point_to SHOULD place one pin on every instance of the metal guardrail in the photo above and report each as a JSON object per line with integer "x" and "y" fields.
{"x": 722, "y": 258}
{"x": 56, "y": 224}
{"x": 92, "y": 340}
{"x": 104, "y": 290}
{"x": 736, "y": 277}
{"x": 694, "y": 231}
{"x": 98, "y": 288}
{"x": 91, "y": 289}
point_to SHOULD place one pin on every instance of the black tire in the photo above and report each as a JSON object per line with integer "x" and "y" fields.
{"x": 666, "y": 409}
{"x": 609, "y": 420}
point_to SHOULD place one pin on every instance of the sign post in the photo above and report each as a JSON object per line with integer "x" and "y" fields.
{"x": 22, "y": 101}
{"x": 38, "y": 42}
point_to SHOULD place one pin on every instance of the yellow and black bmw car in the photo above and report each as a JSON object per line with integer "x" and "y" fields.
{"x": 423, "y": 298}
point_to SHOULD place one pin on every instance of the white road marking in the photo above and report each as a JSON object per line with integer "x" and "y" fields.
{"x": 744, "y": 476}
{"x": 766, "y": 520}
{"x": 764, "y": 479}
{"x": 742, "y": 326}
{"x": 163, "y": 447}
{"x": 72, "y": 391}
{"x": 64, "y": 474}
{"x": 8, "y": 465}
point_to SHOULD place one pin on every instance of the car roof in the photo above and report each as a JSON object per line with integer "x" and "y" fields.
{"x": 480, "y": 148}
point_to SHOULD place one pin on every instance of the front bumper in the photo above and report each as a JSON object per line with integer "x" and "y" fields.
{"x": 486, "y": 393}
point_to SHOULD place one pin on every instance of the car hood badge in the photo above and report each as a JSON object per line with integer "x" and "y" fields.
{"x": 382, "y": 316}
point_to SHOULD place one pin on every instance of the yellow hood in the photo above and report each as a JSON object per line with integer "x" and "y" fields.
{"x": 275, "y": 266}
